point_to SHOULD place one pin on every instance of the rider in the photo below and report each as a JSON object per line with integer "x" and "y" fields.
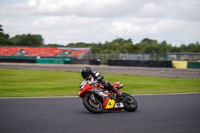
{"x": 91, "y": 76}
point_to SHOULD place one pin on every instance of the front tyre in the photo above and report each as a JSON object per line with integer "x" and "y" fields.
{"x": 130, "y": 104}
{"x": 90, "y": 105}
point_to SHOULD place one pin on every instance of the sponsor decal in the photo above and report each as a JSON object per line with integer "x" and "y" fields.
{"x": 119, "y": 105}
{"x": 110, "y": 104}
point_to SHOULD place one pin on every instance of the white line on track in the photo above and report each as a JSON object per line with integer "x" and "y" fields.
{"x": 77, "y": 96}
{"x": 167, "y": 94}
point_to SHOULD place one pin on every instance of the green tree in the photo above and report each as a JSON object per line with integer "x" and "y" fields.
{"x": 78, "y": 45}
{"x": 193, "y": 47}
{"x": 127, "y": 46}
{"x": 4, "y": 38}
{"x": 54, "y": 45}
{"x": 28, "y": 40}
{"x": 148, "y": 46}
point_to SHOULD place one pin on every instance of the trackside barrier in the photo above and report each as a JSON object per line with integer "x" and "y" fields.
{"x": 166, "y": 64}
{"x": 180, "y": 64}
{"x": 80, "y": 61}
{"x": 18, "y": 59}
{"x": 95, "y": 62}
{"x": 193, "y": 64}
{"x": 30, "y": 59}
{"x": 54, "y": 60}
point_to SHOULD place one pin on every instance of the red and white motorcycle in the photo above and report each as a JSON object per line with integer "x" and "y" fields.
{"x": 96, "y": 99}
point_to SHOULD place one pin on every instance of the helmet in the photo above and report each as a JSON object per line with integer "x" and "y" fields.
{"x": 86, "y": 71}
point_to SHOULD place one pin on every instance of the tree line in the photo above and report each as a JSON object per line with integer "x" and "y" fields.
{"x": 118, "y": 45}
{"x": 20, "y": 40}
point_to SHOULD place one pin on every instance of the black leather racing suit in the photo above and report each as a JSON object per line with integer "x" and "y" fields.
{"x": 96, "y": 77}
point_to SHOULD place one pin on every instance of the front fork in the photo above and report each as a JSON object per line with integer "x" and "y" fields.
{"x": 92, "y": 97}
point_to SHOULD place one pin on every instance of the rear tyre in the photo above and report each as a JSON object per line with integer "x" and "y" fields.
{"x": 130, "y": 104}
{"x": 94, "y": 107}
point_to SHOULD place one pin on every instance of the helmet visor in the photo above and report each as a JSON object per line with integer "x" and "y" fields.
{"x": 85, "y": 75}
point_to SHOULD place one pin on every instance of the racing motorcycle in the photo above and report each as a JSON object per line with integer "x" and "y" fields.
{"x": 96, "y": 99}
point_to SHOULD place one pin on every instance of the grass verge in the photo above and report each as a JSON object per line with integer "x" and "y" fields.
{"x": 37, "y": 83}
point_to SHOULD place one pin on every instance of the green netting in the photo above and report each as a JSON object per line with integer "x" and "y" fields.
{"x": 54, "y": 60}
{"x": 193, "y": 64}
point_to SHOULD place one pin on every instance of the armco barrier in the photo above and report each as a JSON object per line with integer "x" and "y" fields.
{"x": 84, "y": 61}
{"x": 193, "y": 64}
{"x": 18, "y": 59}
{"x": 79, "y": 61}
{"x": 134, "y": 63}
{"x": 28, "y": 59}
{"x": 95, "y": 62}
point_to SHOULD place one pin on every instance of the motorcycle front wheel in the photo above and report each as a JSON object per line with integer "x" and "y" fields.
{"x": 91, "y": 105}
{"x": 130, "y": 104}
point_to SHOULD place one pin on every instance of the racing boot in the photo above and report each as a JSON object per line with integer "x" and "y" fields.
{"x": 118, "y": 93}
{"x": 118, "y": 96}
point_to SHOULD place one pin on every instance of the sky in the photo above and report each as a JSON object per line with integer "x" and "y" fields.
{"x": 71, "y": 21}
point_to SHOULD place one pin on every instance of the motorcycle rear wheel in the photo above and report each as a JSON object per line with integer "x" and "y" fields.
{"x": 130, "y": 104}
{"x": 94, "y": 107}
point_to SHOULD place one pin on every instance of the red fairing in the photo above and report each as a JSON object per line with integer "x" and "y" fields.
{"x": 105, "y": 103}
{"x": 116, "y": 84}
{"x": 86, "y": 87}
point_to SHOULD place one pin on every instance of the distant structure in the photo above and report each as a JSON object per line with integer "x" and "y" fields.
{"x": 183, "y": 56}
{"x": 44, "y": 52}
{"x": 137, "y": 57}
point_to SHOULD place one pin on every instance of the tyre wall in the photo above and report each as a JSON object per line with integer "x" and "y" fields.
{"x": 166, "y": 64}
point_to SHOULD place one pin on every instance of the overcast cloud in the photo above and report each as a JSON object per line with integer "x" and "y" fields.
{"x": 66, "y": 21}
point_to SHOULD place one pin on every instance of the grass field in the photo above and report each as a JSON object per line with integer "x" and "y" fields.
{"x": 37, "y": 83}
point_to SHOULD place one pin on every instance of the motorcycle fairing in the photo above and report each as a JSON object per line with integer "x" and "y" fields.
{"x": 85, "y": 88}
{"x": 119, "y": 105}
{"x": 109, "y": 103}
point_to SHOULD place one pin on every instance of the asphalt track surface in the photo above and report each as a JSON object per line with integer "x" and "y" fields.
{"x": 159, "y": 72}
{"x": 178, "y": 113}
